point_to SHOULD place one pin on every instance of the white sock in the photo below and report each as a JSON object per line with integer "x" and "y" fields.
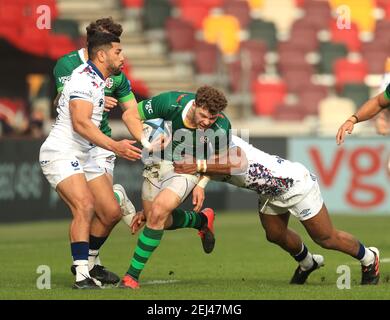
{"x": 307, "y": 262}
{"x": 368, "y": 258}
{"x": 81, "y": 269}
{"x": 93, "y": 258}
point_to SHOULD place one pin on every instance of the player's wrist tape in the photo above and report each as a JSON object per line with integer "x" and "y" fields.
{"x": 356, "y": 118}
{"x": 201, "y": 166}
{"x": 204, "y": 180}
{"x": 146, "y": 144}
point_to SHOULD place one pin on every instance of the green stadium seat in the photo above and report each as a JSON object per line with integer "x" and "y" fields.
{"x": 357, "y": 92}
{"x": 330, "y": 52}
{"x": 67, "y": 26}
{"x": 156, "y": 12}
{"x": 265, "y": 31}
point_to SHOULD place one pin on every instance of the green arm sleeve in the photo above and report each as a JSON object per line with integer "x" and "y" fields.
{"x": 123, "y": 91}
{"x": 387, "y": 92}
{"x": 62, "y": 72}
{"x": 156, "y": 107}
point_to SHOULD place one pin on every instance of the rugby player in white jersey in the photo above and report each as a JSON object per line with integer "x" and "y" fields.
{"x": 66, "y": 157}
{"x": 286, "y": 188}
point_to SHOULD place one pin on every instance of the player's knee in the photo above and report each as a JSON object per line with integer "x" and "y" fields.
{"x": 158, "y": 214}
{"x": 84, "y": 205}
{"x": 111, "y": 215}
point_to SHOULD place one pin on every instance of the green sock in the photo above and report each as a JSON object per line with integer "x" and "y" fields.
{"x": 148, "y": 241}
{"x": 187, "y": 219}
{"x": 117, "y": 197}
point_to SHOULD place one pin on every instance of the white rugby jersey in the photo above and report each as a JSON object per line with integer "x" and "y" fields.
{"x": 271, "y": 176}
{"x": 86, "y": 83}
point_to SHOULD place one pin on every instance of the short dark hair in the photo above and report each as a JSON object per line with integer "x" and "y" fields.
{"x": 211, "y": 99}
{"x": 100, "y": 40}
{"x": 104, "y": 25}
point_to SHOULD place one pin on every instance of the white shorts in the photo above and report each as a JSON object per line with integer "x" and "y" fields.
{"x": 104, "y": 158}
{"x": 57, "y": 165}
{"x": 164, "y": 177}
{"x": 306, "y": 208}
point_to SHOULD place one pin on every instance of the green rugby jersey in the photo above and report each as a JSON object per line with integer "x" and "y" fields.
{"x": 116, "y": 86}
{"x": 173, "y": 106}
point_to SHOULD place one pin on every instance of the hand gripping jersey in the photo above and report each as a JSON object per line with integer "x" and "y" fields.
{"x": 86, "y": 83}
{"x": 174, "y": 106}
{"x": 281, "y": 181}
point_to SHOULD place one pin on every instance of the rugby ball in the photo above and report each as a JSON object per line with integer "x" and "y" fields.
{"x": 153, "y": 129}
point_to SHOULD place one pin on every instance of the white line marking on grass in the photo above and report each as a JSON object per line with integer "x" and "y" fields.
{"x": 382, "y": 260}
{"x": 161, "y": 281}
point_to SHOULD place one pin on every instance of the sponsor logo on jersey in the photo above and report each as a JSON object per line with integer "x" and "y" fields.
{"x": 74, "y": 164}
{"x": 148, "y": 107}
{"x": 44, "y": 162}
{"x": 109, "y": 83}
{"x": 101, "y": 103}
{"x": 305, "y": 213}
{"x": 63, "y": 79}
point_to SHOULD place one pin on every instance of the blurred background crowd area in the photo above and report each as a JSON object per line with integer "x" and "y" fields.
{"x": 288, "y": 67}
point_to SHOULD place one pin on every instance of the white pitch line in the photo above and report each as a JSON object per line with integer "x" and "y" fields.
{"x": 161, "y": 281}
{"x": 382, "y": 260}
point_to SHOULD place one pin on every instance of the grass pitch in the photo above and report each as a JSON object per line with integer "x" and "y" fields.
{"x": 243, "y": 265}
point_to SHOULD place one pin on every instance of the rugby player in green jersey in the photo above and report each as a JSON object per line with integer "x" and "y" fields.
{"x": 197, "y": 121}
{"x": 117, "y": 91}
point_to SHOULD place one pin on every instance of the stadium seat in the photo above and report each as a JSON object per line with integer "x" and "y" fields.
{"x": 350, "y": 37}
{"x": 285, "y": 112}
{"x": 194, "y": 12}
{"x": 317, "y": 13}
{"x": 332, "y": 112}
{"x": 347, "y": 71}
{"x": 60, "y": 44}
{"x": 304, "y": 34}
{"x": 310, "y": 97}
{"x": 359, "y": 93}
{"x": 254, "y": 51}
{"x": 238, "y": 9}
{"x": 265, "y": 31}
{"x": 256, "y": 4}
{"x": 330, "y": 52}
{"x": 206, "y": 58}
{"x": 375, "y": 54}
{"x": 67, "y": 26}
{"x": 297, "y": 77}
{"x": 223, "y": 30}
{"x": 279, "y": 12}
{"x": 180, "y": 35}
{"x": 267, "y": 95}
{"x": 133, "y": 3}
{"x": 290, "y": 56}
{"x": 156, "y": 13}
{"x": 34, "y": 41}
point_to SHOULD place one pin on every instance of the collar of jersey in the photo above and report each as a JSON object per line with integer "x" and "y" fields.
{"x": 95, "y": 69}
{"x": 184, "y": 114}
{"x": 81, "y": 55}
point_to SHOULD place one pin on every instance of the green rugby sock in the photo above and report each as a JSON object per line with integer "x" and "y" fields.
{"x": 148, "y": 241}
{"x": 187, "y": 219}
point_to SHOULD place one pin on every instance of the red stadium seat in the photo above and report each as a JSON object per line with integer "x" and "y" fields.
{"x": 194, "y": 12}
{"x": 34, "y": 41}
{"x": 298, "y": 76}
{"x": 133, "y": 3}
{"x": 349, "y": 72}
{"x": 239, "y": 9}
{"x": 350, "y": 37}
{"x": 206, "y": 58}
{"x": 310, "y": 97}
{"x": 285, "y": 112}
{"x": 375, "y": 54}
{"x": 267, "y": 95}
{"x": 180, "y": 35}
{"x": 60, "y": 45}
